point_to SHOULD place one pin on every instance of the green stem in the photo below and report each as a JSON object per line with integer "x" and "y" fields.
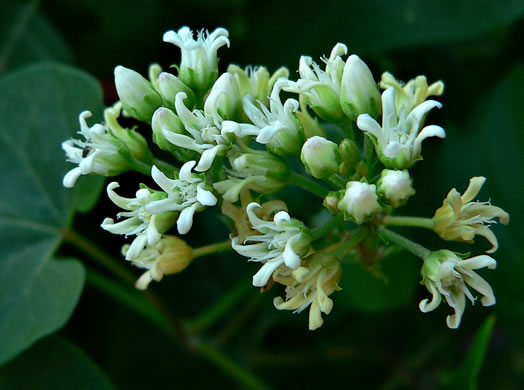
{"x": 347, "y": 127}
{"x": 321, "y": 231}
{"x": 99, "y": 256}
{"x": 337, "y": 181}
{"x": 355, "y": 238}
{"x": 426, "y": 223}
{"x": 131, "y": 299}
{"x": 307, "y": 184}
{"x": 413, "y": 247}
{"x": 239, "y": 373}
{"x": 176, "y": 330}
{"x": 205, "y": 320}
{"x": 219, "y": 247}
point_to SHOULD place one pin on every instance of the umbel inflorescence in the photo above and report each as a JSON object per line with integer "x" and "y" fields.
{"x": 231, "y": 137}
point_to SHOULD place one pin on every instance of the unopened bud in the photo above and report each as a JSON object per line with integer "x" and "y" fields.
{"x": 224, "y": 99}
{"x": 395, "y": 186}
{"x": 360, "y": 201}
{"x": 138, "y": 97}
{"x": 169, "y": 85}
{"x": 350, "y": 155}
{"x": 320, "y": 157}
{"x": 359, "y": 93}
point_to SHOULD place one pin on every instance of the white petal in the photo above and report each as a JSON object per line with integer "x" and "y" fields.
{"x": 425, "y": 305}
{"x": 71, "y": 177}
{"x": 205, "y": 197}
{"x": 428, "y": 131}
{"x": 162, "y": 180}
{"x": 478, "y": 262}
{"x": 261, "y": 278}
{"x": 291, "y": 259}
{"x": 185, "y": 219}
{"x": 366, "y": 123}
{"x": 152, "y": 234}
{"x": 281, "y": 217}
{"x": 185, "y": 171}
{"x": 393, "y": 149}
{"x": 207, "y": 158}
{"x": 136, "y": 247}
{"x": 182, "y": 141}
{"x": 162, "y": 205}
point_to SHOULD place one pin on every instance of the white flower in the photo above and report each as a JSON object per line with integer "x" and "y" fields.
{"x": 256, "y": 81}
{"x": 169, "y": 255}
{"x": 224, "y": 99}
{"x": 414, "y": 92}
{"x": 395, "y": 186}
{"x": 185, "y": 193}
{"x": 98, "y": 154}
{"x": 398, "y": 142}
{"x": 205, "y": 132}
{"x": 281, "y": 241}
{"x": 461, "y": 219}
{"x": 199, "y": 65}
{"x": 277, "y": 127}
{"x": 360, "y": 201}
{"x": 139, "y": 221}
{"x": 309, "y": 285}
{"x": 321, "y": 88}
{"x": 446, "y": 275}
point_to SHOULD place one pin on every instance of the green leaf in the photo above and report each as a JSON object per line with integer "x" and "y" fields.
{"x": 466, "y": 376}
{"x": 26, "y": 37}
{"x": 54, "y": 363}
{"x": 39, "y": 110}
{"x": 391, "y": 287}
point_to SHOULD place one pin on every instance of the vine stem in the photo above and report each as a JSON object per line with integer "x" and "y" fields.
{"x": 219, "y": 247}
{"x": 426, "y": 223}
{"x": 179, "y": 333}
{"x": 417, "y": 249}
{"x": 307, "y": 184}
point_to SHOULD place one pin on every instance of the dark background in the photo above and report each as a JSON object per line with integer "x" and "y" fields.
{"x": 375, "y": 337}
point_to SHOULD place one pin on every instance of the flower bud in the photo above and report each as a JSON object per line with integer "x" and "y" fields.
{"x": 359, "y": 93}
{"x": 320, "y": 157}
{"x": 360, "y": 201}
{"x": 350, "y": 155}
{"x": 224, "y": 99}
{"x": 169, "y": 85}
{"x": 138, "y": 97}
{"x": 165, "y": 119}
{"x": 395, "y": 186}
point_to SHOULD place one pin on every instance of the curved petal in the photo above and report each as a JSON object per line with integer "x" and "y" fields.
{"x": 207, "y": 158}
{"x": 71, "y": 177}
{"x": 136, "y": 247}
{"x": 261, "y": 278}
{"x": 428, "y": 131}
{"x": 182, "y": 141}
{"x": 366, "y": 123}
{"x": 436, "y": 298}
{"x": 205, "y": 197}
{"x": 185, "y": 172}
{"x": 162, "y": 180}
{"x": 458, "y": 302}
{"x": 393, "y": 149}
{"x": 291, "y": 259}
{"x": 480, "y": 285}
{"x": 185, "y": 219}
{"x": 478, "y": 262}
{"x": 475, "y": 184}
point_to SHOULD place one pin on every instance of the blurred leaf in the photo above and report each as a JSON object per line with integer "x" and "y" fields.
{"x": 392, "y": 288}
{"x": 370, "y": 26}
{"x": 26, "y": 37}
{"x": 466, "y": 376}
{"x": 39, "y": 110}
{"x": 53, "y": 363}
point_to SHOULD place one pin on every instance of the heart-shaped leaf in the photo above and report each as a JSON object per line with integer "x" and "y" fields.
{"x": 39, "y": 109}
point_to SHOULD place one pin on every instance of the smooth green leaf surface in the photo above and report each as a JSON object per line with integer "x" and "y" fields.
{"x": 26, "y": 36}
{"x": 38, "y": 109}
{"x": 393, "y": 287}
{"x": 53, "y": 364}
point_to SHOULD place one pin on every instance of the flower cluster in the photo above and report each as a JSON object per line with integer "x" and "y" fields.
{"x": 236, "y": 139}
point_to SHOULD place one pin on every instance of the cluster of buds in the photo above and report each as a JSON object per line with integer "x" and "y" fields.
{"x": 233, "y": 140}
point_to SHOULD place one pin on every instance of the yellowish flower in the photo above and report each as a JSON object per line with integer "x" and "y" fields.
{"x": 461, "y": 219}
{"x": 309, "y": 285}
